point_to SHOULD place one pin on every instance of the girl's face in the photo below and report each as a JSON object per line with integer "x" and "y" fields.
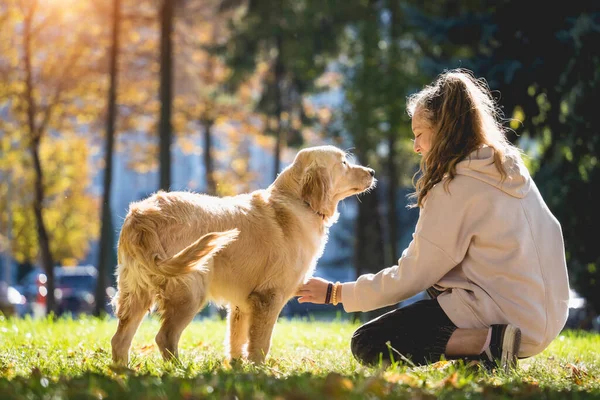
{"x": 423, "y": 132}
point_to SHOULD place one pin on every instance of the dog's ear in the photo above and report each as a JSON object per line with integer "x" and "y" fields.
{"x": 316, "y": 190}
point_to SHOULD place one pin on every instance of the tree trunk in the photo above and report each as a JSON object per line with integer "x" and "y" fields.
{"x": 165, "y": 93}
{"x": 370, "y": 244}
{"x": 34, "y": 146}
{"x": 106, "y": 237}
{"x": 392, "y": 218}
{"x": 211, "y": 185}
{"x": 371, "y": 249}
{"x": 44, "y": 241}
{"x": 394, "y": 120}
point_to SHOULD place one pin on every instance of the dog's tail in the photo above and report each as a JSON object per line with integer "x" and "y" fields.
{"x": 196, "y": 253}
{"x": 139, "y": 238}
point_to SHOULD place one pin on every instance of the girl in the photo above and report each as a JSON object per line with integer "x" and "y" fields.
{"x": 486, "y": 247}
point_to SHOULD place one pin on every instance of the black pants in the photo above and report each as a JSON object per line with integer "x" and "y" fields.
{"x": 419, "y": 331}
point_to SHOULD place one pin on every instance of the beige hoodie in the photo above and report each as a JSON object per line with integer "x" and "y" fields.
{"x": 494, "y": 249}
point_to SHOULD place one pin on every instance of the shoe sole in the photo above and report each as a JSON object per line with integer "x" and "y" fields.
{"x": 511, "y": 343}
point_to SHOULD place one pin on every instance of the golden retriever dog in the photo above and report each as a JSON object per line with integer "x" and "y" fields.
{"x": 178, "y": 250}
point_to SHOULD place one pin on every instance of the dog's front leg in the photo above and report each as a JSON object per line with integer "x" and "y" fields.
{"x": 238, "y": 332}
{"x": 264, "y": 308}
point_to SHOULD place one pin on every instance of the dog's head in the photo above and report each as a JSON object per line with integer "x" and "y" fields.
{"x": 326, "y": 176}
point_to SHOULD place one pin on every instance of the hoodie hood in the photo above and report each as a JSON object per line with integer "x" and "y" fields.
{"x": 480, "y": 165}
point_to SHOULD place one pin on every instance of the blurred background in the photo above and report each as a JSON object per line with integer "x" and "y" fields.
{"x": 103, "y": 102}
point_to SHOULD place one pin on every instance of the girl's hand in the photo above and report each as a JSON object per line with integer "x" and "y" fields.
{"x": 313, "y": 291}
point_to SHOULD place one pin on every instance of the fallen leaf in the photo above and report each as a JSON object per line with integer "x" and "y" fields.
{"x": 440, "y": 364}
{"x": 337, "y": 385}
{"x": 577, "y": 374}
{"x": 146, "y": 349}
{"x": 407, "y": 379}
{"x": 375, "y": 385}
{"x": 450, "y": 381}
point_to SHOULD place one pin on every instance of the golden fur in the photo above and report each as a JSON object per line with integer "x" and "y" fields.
{"x": 178, "y": 250}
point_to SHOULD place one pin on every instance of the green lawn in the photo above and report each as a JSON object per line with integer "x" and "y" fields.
{"x": 308, "y": 360}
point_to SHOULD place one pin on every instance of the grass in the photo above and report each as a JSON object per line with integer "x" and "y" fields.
{"x": 70, "y": 358}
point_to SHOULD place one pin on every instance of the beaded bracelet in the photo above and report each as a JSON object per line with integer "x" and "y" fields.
{"x": 334, "y": 299}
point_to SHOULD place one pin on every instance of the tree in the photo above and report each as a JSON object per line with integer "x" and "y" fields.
{"x": 70, "y": 210}
{"x": 166, "y": 16}
{"x": 106, "y": 236}
{"x": 202, "y": 99}
{"x": 295, "y": 39}
{"x": 401, "y": 76}
{"x": 137, "y": 97}
{"x": 35, "y": 132}
{"x": 41, "y": 91}
{"x": 569, "y": 170}
{"x": 364, "y": 113}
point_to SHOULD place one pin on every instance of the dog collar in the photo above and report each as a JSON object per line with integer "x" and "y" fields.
{"x": 315, "y": 211}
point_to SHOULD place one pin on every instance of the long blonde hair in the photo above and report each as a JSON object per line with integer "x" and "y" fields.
{"x": 464, "y": 117}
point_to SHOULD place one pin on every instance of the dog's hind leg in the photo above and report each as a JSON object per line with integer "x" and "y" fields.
{"x": 131, "y": 309}
{"x": 265, "y": 308}
{"x": 182, "y": 299}
{"x": 238, "y": 332}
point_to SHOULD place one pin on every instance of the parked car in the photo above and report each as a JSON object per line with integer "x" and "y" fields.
{"x": 74, "y": 289}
